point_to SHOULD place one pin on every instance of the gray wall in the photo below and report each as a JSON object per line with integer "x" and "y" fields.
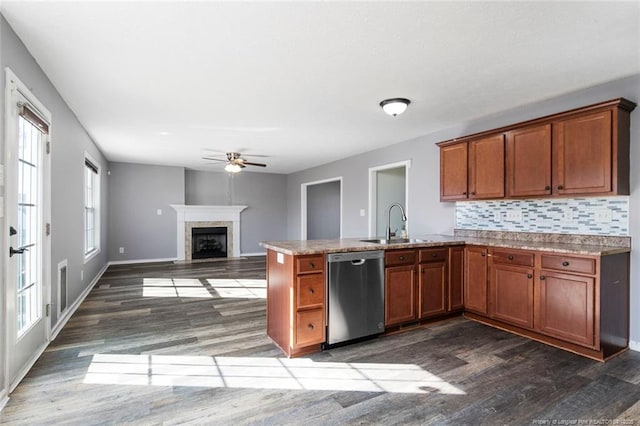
{"x": 427, "y": 214}
{"x": 265, "y": 218}
{"x": 390, "y": 188}
{"x": 323, "y": 211}
{"x": 69, "y": 141}
{"x": 136, "y": 192}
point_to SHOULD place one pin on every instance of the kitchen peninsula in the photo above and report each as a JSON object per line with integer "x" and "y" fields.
{"x": 568, "y": 291}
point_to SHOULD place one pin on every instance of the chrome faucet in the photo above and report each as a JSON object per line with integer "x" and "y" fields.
{"x": 404, "y": 218}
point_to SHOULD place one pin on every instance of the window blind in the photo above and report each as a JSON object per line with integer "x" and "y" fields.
{"x": 32, "y": 116}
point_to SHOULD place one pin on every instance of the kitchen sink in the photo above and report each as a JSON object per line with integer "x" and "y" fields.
{"x": 394, "y": 241}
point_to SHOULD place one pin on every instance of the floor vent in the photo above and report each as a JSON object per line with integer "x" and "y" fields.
{"x": 63, "y": 298}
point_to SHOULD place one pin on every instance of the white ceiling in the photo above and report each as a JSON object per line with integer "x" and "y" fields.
{"x": 301, "y": 81}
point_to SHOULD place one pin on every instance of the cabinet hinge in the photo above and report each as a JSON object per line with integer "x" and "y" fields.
{"x": 47, "y": 229}
{"x": 47, "y": 309}
{"x": 48, "y": 147}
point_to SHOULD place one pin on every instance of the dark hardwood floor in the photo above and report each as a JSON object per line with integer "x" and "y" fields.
{"x": 174, "y": 344}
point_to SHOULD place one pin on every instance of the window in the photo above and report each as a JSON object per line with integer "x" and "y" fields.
{"x": 91, "y": 208}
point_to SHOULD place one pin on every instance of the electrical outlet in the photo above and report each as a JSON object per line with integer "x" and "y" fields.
{"x": 362, "y": 212}
{"x": 159, "y": 212}
{"x": 603, "y": 215}
{"x": 514, "y": 215}
{"x": 497, "y": 216}
{"x": 121, "y": 250}
{"x": 567, "y": 215}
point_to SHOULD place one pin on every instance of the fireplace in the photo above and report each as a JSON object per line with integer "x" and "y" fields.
{"x": 208, "y": 242}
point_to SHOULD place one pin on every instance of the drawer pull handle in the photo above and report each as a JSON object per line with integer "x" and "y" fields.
{"x": 401, "y": 258}
{"x": 311, "y": 327}
{"x": 565, "y": 263}
{"x": 311, "y": 291}
{"x": 510, "y": 257}
{"x": 312, "y": 265}
{"x": 542, "y": 278}
{"x": 529, "y": 276}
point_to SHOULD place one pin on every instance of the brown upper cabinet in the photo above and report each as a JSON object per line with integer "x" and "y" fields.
{"x": 584, "y": 151}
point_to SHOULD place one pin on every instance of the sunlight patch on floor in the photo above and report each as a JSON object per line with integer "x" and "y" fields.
{"x": 263, "y": 373}
{"x": 174, "y": 287}
{"x": 239, "y": 288}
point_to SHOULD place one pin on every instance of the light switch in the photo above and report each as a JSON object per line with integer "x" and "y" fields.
{"x": 159, "y": 212}
{"x": 362, "y": 212}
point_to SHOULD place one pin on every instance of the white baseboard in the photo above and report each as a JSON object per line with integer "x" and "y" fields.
{"x": 3, "y": 399}
{"x": 264, "y": 253}
{"x": 129, "y": 262}
{"x": 634, "y": 346}
{"x": 72, "y": 309}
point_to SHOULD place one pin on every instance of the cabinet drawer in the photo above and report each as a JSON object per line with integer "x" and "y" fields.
{"x": 399, "y": 257}
{"x": 310, "y": 290}
{"x": 512, "y": 257}
{"x": 433, "y": 255}
{"x": 305, "y": 264}
{"x": 310, "y": 327}
{"x": 572, "y": 264}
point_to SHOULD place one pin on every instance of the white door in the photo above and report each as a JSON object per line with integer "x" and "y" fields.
{"x": 27, "y": 211}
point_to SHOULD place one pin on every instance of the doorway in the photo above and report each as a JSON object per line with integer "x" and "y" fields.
{"x": 322, "y": 210}
{"x": 388, "y": 184}
{"x": 27, "y": 215}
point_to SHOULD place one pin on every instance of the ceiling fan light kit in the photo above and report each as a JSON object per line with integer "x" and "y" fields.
{"x": 395, "y": 106}
{"x": 232, "y": 168}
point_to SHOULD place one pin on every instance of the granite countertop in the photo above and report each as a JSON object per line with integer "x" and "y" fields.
{"x": 578, "y": 246}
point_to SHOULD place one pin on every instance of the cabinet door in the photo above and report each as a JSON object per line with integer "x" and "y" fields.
{"x": 432, "y": 289}
{"x": 528, "y": 157}
{"x": 565, "y": 307}
{"x": 399, "y": 295}
{"x": 453, "y": 172}
{"x": 456, "y": 278}
{"x": 582, "y": 154}
{"x": 511, "y": 295}
{"x": 475, "y": 280}
{"x": 486, "y": 167}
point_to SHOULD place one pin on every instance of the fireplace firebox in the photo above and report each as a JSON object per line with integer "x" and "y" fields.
{"x": 208, "y": 242}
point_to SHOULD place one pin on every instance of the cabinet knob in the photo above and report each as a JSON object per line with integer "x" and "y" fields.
{"x": 423, "y": 270}
{"x": 547, "y": 188}
{"x": 560, "y": 187}
{"x": 565, "y": 263}
{"x": 473, "y": 193}
{"x": 311, "y": 291}
{"x": 464, "y": 193}
{"x": 312, "y": 265}
{"x": 401, "y": 257}
{"x": 483, "y": 254}
{"x": 529, "y": 276}
{"x": 542, "y": 278}
{"x": 510, "y": 257}
{"x": 311, "y": 327}
{"x": 434, "y": 255}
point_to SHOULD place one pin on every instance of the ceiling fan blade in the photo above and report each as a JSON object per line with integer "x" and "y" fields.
{"x": 214, "y": 159}
{"x": 249, "y": 163}
{"x": 255, "y": 155}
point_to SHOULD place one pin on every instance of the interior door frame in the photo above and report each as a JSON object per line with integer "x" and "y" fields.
{"x": 373, "y": 188}
{"x": 303, "y": 203}
{"x": 13, "y": 83}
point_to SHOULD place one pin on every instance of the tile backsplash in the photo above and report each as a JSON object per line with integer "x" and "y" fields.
{"x": 587, "y": 216}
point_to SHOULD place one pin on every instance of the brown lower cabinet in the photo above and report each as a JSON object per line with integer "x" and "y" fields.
{"x": 475, "y": 282}
{"x": 578, "y": 303}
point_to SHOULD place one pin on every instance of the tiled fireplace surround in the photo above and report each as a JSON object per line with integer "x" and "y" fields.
{"x": 189, "y": 217}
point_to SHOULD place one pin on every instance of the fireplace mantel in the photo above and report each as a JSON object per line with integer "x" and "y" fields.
{"x": 187, "y": 214}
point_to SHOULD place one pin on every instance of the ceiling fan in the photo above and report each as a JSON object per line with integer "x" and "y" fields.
{"x": 235, "y": 162}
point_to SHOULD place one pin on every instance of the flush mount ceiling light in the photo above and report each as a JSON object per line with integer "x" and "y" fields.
{"x": 395, "y": 106}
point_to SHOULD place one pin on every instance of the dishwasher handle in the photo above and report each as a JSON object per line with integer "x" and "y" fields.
{"x": 358, "y": 262}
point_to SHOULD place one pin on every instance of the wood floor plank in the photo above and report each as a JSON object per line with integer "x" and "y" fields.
{"x": 167, "y": 343}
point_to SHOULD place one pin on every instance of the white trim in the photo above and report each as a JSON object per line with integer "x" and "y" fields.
{"x": 186, "y": 213}
{"x": 62, "y": 264}
{"x": 134, "y": 261}
{"x": 3, "y": 399}
{"x": 372, "y": 192}
{"x": 264, "y": 253}
{"x": 634, "y": 345}
{"x": 13, "y": 83}
{"x": 62, "y": 320}
{"x": 303, "y": 203}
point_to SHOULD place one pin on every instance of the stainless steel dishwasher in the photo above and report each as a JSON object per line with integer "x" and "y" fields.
{"x": 355, "y": 295}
